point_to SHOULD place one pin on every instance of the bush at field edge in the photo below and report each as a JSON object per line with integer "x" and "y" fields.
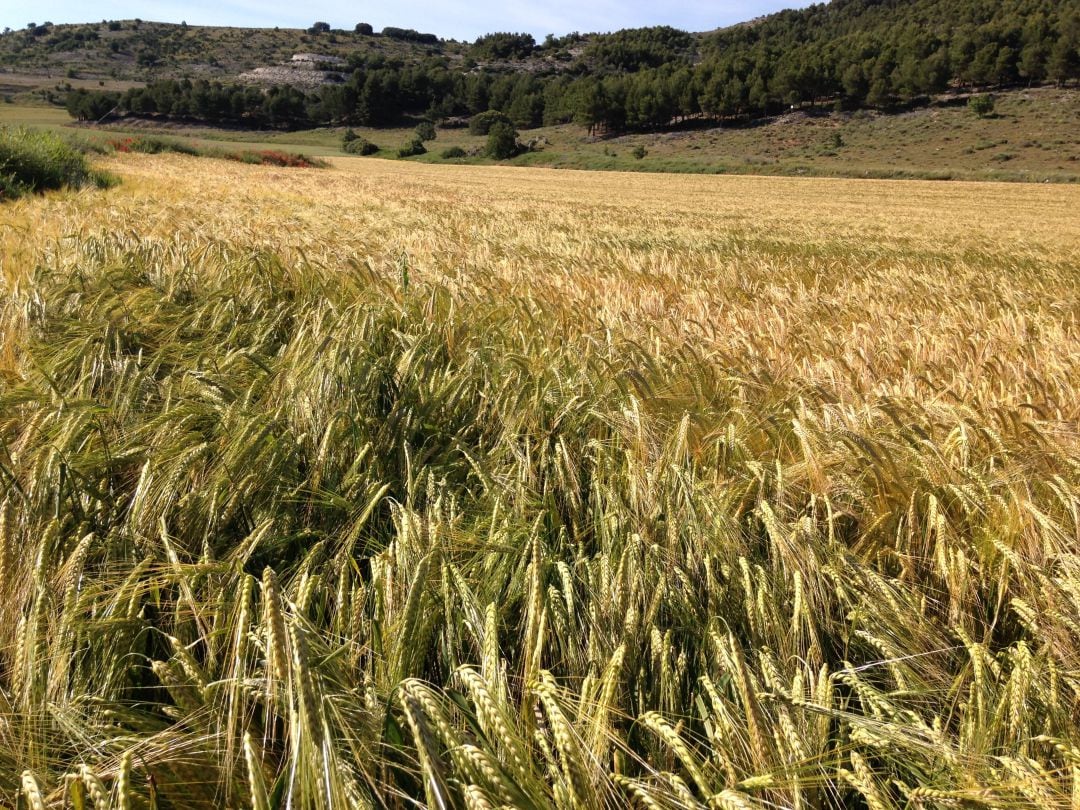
{"x": 39, "y": 161}
{"x": 360, "y": 146}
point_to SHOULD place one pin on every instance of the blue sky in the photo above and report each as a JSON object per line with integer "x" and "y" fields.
{"x": 460, "y": 19}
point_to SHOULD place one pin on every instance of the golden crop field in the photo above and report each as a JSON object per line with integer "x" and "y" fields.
{"x": 397, "y": 485}
{"x": 885, "y": 288}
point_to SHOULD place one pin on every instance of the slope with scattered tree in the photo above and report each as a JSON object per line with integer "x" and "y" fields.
{"x": 850, "y": 53}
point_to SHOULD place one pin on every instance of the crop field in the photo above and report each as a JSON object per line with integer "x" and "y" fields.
{"x": 404, "y": 485}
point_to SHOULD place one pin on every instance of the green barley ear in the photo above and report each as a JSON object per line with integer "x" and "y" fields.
{"x": 256, "y": 783}
{"x": 95, "y": 788}
{"x": 572, "y": 758}
{"x": 431, "y": 768}
{"x": 606, "y": 702}
{"x": 274, "y": 626}
{"x": 123, "y": 783}
{"x": 76, "y": 792}
{"x": 476, "y": 799}
{"x": 31, "y": 791}
{"x": 674, "y": 742}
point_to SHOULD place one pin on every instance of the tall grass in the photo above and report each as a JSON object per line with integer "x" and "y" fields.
{"x": 275, "y": 533}
{"x": 33, "y": 160}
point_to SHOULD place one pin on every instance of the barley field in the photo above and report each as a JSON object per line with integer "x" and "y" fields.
{"x": 394, "y": 486}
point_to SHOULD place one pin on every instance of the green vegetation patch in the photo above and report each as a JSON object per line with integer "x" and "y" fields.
{"x": 360, "y": 146}
{"x": 265, "y": 157}
{"x": 40, "y": 161}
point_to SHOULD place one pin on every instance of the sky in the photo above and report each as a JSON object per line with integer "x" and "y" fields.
{"x": 456, "y": 19}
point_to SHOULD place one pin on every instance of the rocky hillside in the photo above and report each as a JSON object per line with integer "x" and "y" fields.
{"x": 144, "y": 51}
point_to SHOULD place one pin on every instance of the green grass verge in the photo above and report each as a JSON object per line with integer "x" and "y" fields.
{"x": 34, "y": 160}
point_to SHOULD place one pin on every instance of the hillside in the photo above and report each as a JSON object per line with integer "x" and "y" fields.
{"x": 852, "y": 88}
{"x": 1032, "y": 135}
{"x": 138, "y": 50}
{"x": 881, "y": 54}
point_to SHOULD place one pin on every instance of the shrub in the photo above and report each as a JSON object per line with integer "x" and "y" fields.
{"x": 425, "y": 131}
{"x": 36, "y": 161}
{"x": 360, "y": 146}
{"x": 147, "y": 57}
{"x": 150, "y": 145}
{"x": 481, "y": 123}
{"x": 411, "y": 149}
{"x": 982, "y": 105}
{"x": 364, "y": 29}
{"x": 502, "y": 141}
{"x": 453, "y": 152}
{"x": 640, "y": 152}
{"x": 274, "y": 157}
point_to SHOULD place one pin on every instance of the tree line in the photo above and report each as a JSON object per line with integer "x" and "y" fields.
{"x": 854, "y": 53}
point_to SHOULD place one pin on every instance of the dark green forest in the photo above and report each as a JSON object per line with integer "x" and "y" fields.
{"x": 849, "y": 53}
